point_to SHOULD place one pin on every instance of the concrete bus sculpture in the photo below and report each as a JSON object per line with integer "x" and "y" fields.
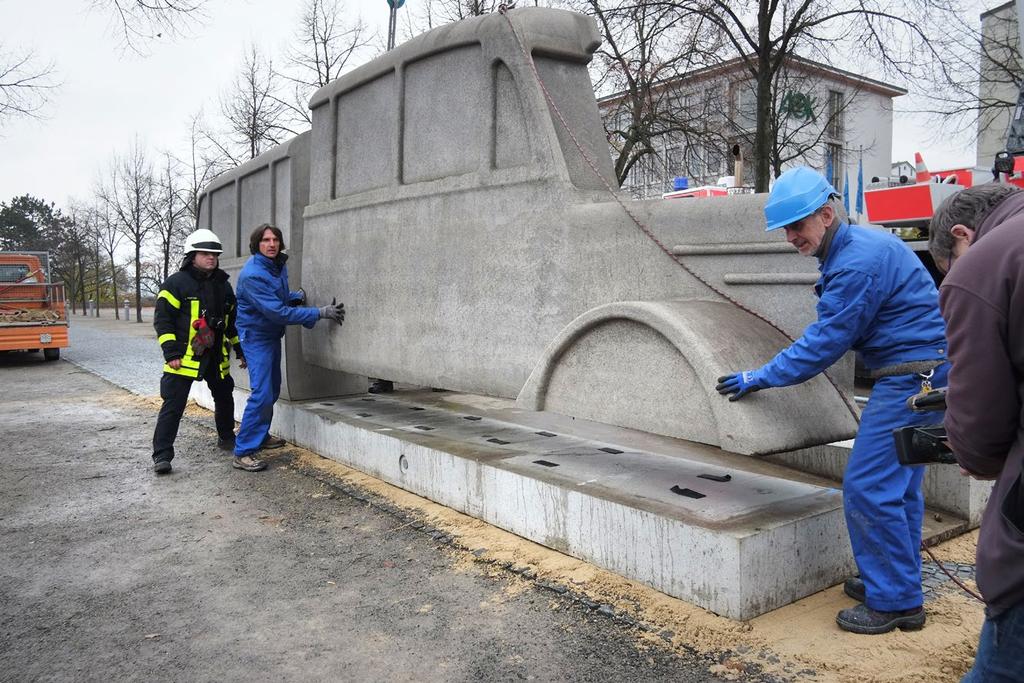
{"x": 477, "y": 249}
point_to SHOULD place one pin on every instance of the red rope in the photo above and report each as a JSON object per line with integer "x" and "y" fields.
{"x": 955, "y": 580}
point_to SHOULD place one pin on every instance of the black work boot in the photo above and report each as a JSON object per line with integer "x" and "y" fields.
{"x": 864, "y": 620}
{"x": 854, "y": 588}
{"x": 162, "y": 466}
{"x": 226, "y": 444}
{"x": 381, "y": 386}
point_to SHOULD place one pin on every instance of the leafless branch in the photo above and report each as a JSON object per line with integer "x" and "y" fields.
{"x": 26, "y": 84}
{"x": 254, "y": 109}
{"x": 138, "y": 22}
{"x": 325, "y": 46}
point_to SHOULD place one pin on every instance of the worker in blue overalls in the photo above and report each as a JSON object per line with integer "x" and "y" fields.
{"x": 875, "y": 297}
{"x": 265, "y": 308}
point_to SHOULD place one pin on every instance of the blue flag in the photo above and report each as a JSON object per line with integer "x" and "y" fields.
{"x": 860, "y": 186}
{"x": 828, "y": 167}
{"x": 846, "y": 193}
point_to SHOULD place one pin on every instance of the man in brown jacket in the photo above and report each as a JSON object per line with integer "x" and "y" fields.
{"x": 981, "y": 231}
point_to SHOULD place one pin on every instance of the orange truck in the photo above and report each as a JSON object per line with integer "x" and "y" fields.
{"x": 33, "y": 315}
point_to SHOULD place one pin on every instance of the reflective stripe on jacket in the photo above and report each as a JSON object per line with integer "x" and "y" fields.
{"x": 184, "y": 298}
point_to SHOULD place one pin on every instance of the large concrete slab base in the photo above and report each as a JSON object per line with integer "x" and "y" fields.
{"x": 736, "y": 536}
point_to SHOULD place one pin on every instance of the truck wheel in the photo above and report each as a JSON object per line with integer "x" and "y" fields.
{"x": 51, "y": 354}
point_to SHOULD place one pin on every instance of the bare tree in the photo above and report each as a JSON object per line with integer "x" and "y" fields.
{"x": 170, "y": 208}
{"x": 457, "y": 10}
{"x": 130, "y": 198}
{"x": 140, "y": 21}
{"x": 422, "y": 16}
{"x": 253, "y": 110}
{"x": 25, "y": 84}
{"x": 325, "y": 46}
{"x": 983, "y": 72}
{"x": 91, "y": 218}
{"x": 892, "y": 38}
{"x": 72, "y": 256}
{"x": 108, "y": 237}
{"x": 645, "y": 49}
{"x": 202, "y": 164}
{"x": 152, "y": 275}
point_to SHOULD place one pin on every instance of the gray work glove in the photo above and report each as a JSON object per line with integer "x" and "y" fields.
{"x": 335, "y": 312}
{"x": 301, "y": 301}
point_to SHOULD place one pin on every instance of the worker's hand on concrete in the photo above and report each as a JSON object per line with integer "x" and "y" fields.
{"x": 175, "y": 364}
{"x": 298, "y": 297}
{"x": 335, "y": 312}
{"x": 738, "y": 384}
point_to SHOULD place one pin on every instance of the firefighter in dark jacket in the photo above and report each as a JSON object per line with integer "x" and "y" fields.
{"x": 195, "y": 327}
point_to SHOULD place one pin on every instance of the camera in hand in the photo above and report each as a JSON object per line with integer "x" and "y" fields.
{"x": 923, "y": 445}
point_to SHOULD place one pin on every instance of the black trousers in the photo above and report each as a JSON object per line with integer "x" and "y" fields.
{"x": 174, "y": 391}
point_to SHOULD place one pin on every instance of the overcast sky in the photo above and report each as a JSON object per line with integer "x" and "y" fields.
{"x": 109, "y": 96}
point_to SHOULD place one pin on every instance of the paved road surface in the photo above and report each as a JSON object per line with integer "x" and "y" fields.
{"x": 109, "y": 572}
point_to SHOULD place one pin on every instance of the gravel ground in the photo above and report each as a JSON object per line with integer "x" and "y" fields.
{"x": 110, "y": 572}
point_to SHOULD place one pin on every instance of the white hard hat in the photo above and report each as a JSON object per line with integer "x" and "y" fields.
{"x": 203, "y": 240}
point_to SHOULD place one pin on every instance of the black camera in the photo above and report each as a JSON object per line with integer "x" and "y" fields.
{"x": 923, "y": 445}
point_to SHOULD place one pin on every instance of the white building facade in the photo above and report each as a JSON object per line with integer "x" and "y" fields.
{"x": 822, "y": 113}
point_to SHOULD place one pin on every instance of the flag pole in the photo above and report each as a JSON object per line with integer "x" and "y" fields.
{"x": 860, "y": 183}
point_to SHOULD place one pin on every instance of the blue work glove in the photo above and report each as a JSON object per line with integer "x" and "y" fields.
{"x": 739, "y": 384}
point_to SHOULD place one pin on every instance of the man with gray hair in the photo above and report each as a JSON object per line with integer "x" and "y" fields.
{"x": 977, "y": 236}
{"x": 953, "y": 227}
{"x": 876, "y": 298}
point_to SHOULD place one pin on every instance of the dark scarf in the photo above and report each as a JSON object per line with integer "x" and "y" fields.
{"x": 826, "y": 241}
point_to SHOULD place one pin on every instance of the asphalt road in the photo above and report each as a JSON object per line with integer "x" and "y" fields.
{"x": 109, "y": 572}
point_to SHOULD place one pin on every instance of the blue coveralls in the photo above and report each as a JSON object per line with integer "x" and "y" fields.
{"x": 876, "y": 298}
{"x": 263, "y": 314}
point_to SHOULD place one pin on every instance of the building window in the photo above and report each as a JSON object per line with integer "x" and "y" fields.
{"x": 744, "y": 104}
{"x": 674, "y": 162}
{"x": 675, "y": 107}
{"x": 835, "y": 153}
{"x": 646, "y": 170}
{"x": 694, "y": 162}
{"x": 835, "y": 115}
{"x": 715, "y": 162}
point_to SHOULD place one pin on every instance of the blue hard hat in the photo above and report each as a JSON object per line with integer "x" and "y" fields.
{"x": 797, "y": 193}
